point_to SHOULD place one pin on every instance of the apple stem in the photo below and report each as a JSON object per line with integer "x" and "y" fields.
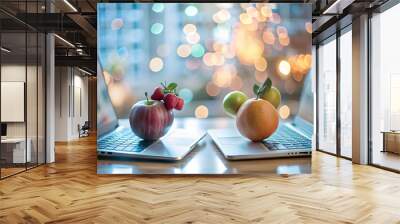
{"x": 147, "y": 98}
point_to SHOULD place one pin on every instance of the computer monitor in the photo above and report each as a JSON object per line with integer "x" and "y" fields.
{"x": 3, "y": 129}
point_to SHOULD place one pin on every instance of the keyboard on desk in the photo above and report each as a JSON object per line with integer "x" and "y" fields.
{"x": 285, "y": 138}
{"x": 123, "y": 140}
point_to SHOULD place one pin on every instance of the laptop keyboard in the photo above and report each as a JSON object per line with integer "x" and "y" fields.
{"x": 122, "y": 140}
{"x": 285, "y": 138}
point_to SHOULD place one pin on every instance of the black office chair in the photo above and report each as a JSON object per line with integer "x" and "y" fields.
{"x": 84, "y": 130}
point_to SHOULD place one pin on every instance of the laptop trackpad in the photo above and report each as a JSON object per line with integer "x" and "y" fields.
{"x": 236, "y": 145}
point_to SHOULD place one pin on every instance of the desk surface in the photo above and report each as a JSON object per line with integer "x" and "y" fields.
{"x": 204, "y": 159}
{"x": 13, "y": 140}
{"x": 391, "y": 132}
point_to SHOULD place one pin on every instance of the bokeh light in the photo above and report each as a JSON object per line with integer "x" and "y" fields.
{"x": 300, "y": 65}
{"x": 197, "y": 50}
{"x": 245, "y": 19}
{"x": 156, "y": 64}
{"x": 212, "y": 89}
{"x": 207, "y": 59}
{"x": 189, "y": 28}
{"x": 268, "y": 37}
{"x": 222, "y": 33}
{"x": 186, "y": 94}
{"x": 201, "y": 112}
{"x": 193, "y": 38}
{"x": 157, "y": 28}
{"x": 266, "y": 11}
{"x": 248, "y": 48}
{"x": 222, "y": 16}
{"x": 284, "y": 41}
{"x": 191, "y": 10}
{"x": 117, "y": 24}
{"x": 223, "y": 76}
{"x": 184, "y": 50}
{"x": 284, "y": 112}
{"x": 308, "y": 27}
{"x": 284, "y": 67}
{"x": 158, "y": 7}
{"x": 252, "y": 12}
{"x": 260, "y": 64}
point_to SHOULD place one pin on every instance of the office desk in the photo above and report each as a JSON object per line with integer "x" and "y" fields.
{"x": 391, "y": 141}
{"x": 204, "y": 159}
{"x": 13, "y": 150}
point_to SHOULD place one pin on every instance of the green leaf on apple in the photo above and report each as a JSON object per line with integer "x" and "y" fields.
{"x": 172, "y": 86}
{"x": 255, "y": 89}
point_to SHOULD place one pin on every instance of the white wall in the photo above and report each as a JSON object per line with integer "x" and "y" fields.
{"x": 70, "y": 83}
{"x": 33, "y": 126}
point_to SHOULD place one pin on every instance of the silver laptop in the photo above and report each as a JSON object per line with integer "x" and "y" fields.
{"x": 293, "y": 138}
{"x": 116, "y": 140}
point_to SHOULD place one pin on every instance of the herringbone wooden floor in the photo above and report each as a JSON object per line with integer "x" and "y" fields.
{"x": 69, "y": 191}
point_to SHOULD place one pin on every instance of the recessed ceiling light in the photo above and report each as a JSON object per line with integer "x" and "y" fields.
{"x": 5, "y": 50}
{"x": 65, "y": 41}
{"x": 70, "y": 5}
{"x": 84, "y": 71}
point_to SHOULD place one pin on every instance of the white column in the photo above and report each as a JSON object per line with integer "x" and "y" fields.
{"x": 360, "y": 90}
{"x": 50, "y": 99}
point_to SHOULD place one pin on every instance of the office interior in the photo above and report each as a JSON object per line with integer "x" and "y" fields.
{"x": 48, "y": 82}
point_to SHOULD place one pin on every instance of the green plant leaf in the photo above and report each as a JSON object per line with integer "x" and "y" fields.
{"x": 172, "y": 86}
{"x": 266, "y": 86}
{"x": 255, "y": 89}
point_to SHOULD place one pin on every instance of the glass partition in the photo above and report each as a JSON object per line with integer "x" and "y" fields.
{"x": 385, "y": 89}
{"x": 14, "y": 153}
{"x": 327, "y": 96}
{"x": 22, "y": 90}
{"x": 31, "y": 97}
{"x": 346, "y": 94}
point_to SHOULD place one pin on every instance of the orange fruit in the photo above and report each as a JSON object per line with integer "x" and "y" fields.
{"x": 257, "y": 119}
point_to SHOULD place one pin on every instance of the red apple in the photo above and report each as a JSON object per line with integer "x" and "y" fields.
{"x": 150, "y": 120}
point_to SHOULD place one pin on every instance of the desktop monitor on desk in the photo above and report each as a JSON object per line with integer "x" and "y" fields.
{"x": 3, "y": 130}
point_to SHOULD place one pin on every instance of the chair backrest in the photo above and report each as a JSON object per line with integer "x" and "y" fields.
{"x": 86, "y": 125}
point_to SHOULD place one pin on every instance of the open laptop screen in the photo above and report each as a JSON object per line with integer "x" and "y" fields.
{"x": 106, "y": 117}
{"x": 306, "y": 108}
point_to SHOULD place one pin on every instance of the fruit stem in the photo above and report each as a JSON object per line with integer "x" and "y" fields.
{"x": 147, "y": 99}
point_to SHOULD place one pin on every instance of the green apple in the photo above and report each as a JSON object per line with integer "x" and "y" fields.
{"x": 232, "y": 102}
{"x": 273, "y": 96}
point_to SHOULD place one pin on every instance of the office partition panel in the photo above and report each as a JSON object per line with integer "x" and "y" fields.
{"x": 385, "y": 89}
{"x": 22, "y": 77}
{"x": 327, "y": 96}
{"x": 346, "y": 93}
{"x": 15, "y": 148}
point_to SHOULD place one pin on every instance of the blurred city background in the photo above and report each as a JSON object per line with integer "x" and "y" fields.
{"x": 209, "y": 49}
